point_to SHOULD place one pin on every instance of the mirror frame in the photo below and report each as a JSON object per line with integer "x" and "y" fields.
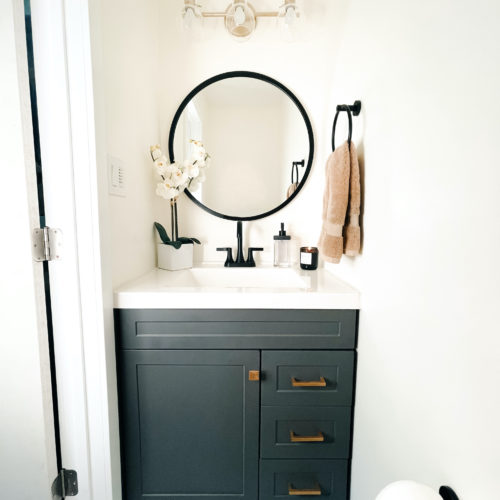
{"x": 280, "y": 86}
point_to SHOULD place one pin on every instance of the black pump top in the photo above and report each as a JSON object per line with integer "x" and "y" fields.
{"x": 282, "y": 234}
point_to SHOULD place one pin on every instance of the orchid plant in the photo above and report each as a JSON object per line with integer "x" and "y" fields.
{"x": 175, "y": 178}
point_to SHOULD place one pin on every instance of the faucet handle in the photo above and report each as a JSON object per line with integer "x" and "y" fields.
{"x": 251, "y": 250}
{"x": 229, "y": 258}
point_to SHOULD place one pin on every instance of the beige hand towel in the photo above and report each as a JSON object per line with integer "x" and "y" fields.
{"x": 291, "y": 189}
{"x": 353, "y": 231}
{"x": 335, "y": 200}
{"x": 341, "y": 183}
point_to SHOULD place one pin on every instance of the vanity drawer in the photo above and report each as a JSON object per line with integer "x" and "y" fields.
{"x": 298, "y": 432}
{"x": 305, "y": 478}
{"x": 307, "y": 378}
{"x": 235, "y": 329}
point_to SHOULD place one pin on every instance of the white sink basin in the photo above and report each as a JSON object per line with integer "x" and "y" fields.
{"x": 212, "y": 286}
{"x": 223, "y": 277}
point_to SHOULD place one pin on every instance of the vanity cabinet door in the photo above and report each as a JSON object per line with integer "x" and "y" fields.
{"x": 189, "y": 424}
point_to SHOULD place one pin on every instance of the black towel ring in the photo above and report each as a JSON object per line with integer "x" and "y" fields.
{"x": 295, "y": 170}
{"x": 349, "y": 115}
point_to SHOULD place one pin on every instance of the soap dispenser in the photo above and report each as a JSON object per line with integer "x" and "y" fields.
{"x": 282, "y": 248}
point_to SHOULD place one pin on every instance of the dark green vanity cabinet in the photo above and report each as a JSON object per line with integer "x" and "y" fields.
{"x": 195, "y": 426}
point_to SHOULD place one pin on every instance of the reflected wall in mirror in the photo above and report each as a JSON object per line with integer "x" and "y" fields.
{"x": 254, "y": 129}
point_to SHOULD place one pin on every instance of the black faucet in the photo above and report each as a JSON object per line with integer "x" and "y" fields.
{"x": 240, "y": 260}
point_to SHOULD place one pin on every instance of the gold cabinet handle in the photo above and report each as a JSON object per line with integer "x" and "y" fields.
{"x": 311, "y": 383}
{"x": 315, "y": 492}
{"x": 319, "y": 438}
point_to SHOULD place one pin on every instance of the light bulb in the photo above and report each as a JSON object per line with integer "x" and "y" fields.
{"x": 290, "y": 16}
{"x": 189, "y": 17}
{"x": 239, "y": 16}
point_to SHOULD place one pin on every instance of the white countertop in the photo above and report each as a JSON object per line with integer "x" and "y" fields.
{"x": 265, "y": 287}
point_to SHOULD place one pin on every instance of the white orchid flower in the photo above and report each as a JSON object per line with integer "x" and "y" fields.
{"x": 199, "y": 153}
{"x": 198, "y": 157}
{"x": 155, "y": 152}
{"x": 166, "y": 191}
{"x": 161, "y": 165}
{"x": 171, "y": 168}
{"x": 193, "y": 170}
{"x": 179, "y": 177}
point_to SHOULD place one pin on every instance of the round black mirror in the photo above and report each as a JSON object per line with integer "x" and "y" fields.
{"x": 259, "y": 138}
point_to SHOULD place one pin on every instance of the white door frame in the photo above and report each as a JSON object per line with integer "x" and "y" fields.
{"x": 81, "y": 289}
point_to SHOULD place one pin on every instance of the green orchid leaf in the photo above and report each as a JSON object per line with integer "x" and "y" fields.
{"x": 189, "y": 240}
{"x": 162, "y": 232}
{"x": 176, "y": 244}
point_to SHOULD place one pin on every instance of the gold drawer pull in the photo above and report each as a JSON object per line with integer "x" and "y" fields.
{"x": 319, "y": 438}
{"x": 311, "y": 383}
{"x": 315, "y": 492}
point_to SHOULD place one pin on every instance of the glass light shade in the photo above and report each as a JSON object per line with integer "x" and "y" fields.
{"x": 191, "y": 16}
{"x": 290, "y": 16}
{"x": 288, "y": 13}
{"x": 239, "y": 16}
{"x": 408, "y": 490}
{"x": 240, "y": 19}
{"x": 287, "y": 20}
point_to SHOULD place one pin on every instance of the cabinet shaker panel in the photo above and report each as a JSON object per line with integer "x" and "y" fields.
{"x": 307, "y": 378}
{"x": 189, "y": 424}
{"x": 305, "y": 432}
{"x": 325, "y": 479}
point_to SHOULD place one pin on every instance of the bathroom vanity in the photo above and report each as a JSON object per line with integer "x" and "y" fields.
{"x": 236, "y": 392}
{"x": 237, "y": 382}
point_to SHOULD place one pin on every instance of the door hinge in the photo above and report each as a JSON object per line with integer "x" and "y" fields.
{"x": 47, "y": 244}
{"x": 65, "y": 485}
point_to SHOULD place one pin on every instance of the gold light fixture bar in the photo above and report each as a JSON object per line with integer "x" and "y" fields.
{"x": 257, "y": 14}
{"x": 240, "y": 16}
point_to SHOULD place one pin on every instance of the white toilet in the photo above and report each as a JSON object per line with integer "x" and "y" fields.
{"x": 410, "y": 490}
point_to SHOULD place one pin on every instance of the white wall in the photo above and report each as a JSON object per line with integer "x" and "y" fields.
{"x": 427, "y": 402}
{"x": 127, "y": 81}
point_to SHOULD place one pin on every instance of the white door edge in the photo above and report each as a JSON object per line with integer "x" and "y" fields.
{"x": 81, "y": 290}
{"x": 28, "y": 462}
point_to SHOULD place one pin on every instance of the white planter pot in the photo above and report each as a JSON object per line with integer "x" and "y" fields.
{"x": 173, "y": 259}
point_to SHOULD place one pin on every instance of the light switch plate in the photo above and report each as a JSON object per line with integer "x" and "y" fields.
{"x": 116, "y": 176}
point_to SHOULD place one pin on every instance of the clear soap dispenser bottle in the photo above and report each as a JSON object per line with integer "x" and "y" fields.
{"x": 282, "y": 248}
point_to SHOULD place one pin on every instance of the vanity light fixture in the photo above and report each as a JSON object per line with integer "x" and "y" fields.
{"x": 287, "y": 14}
{"x": 191, "y": 14}
{"x": 240, "y": 17}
